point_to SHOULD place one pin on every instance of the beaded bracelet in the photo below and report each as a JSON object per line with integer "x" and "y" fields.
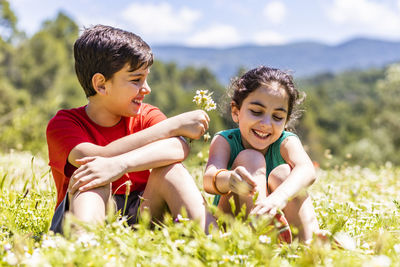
{"x": 215, "y": 184}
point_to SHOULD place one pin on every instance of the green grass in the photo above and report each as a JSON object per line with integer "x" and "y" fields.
{"x": 359, "y": 206}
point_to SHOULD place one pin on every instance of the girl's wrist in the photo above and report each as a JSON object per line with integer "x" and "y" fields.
{"x": 220, "y": 186}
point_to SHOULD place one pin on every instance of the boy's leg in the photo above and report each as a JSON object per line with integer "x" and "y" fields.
{"x": 254, "y": 162}
{"x": 299, "y": 211}
{"x": 170, "y": 188}
{"x": 91, "y": 206}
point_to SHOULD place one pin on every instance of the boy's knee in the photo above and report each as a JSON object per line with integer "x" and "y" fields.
{"x": 175, "y": 168}
{"x": 171, "y": 173}
{"x": 91, "y": 205}
{"x": 249, "y": 157}
{"x": 278, "y": 175}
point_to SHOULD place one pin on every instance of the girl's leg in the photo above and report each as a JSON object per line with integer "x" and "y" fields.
{"x": 254, "y": 162}
{"x": 172, "y": 188}
{"x": 299, "y": 211}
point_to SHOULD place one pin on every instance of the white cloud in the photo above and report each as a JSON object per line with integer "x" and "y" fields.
{"x": 217, "y": 35}
{"x": 374, "y": 17}
{"x": 160, "y": 19}
{"x": 275, "y": 12}
{"x": 268, "y": 38}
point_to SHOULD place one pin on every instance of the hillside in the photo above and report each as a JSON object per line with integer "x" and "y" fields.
{"x": 304, "y": 59}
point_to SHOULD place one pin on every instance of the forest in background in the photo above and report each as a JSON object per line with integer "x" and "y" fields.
{"x": 352, "y": 117}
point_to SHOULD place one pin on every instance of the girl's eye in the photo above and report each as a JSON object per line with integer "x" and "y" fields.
{"x": 255, "y": 112}
{"x": 277, "y": 118}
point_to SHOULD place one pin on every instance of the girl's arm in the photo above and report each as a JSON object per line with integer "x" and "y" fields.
{"x": 190, "y": 124}
{"x": 303, "y": 172}
{"x": 98, "y": 171}
{"x": 218, "y": 159}
{"x": 238, "y": 180}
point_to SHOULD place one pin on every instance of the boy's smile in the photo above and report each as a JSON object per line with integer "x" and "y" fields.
{"x": 262, "y": 117}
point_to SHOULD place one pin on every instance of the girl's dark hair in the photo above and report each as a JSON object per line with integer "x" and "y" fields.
{"x": 106, "y": 50}
{"x": 264, "y": 76}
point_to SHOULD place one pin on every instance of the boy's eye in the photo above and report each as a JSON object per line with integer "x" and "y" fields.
{"x": 135, "y": 80}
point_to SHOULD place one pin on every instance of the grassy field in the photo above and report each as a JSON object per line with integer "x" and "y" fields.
{"x": 359, "y": 206}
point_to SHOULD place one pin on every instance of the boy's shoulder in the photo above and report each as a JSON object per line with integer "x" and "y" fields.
{"x": 73, "y": 113}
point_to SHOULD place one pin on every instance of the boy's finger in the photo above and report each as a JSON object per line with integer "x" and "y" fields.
{"x": 84, "y": 160}
{"x": 90, "y": 185}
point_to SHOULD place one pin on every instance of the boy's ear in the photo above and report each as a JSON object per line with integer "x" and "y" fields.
{"x": 234, "y": 112}
{"x": 99, "y": 83}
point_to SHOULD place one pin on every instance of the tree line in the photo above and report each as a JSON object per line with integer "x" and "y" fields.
{"x": 351, "y": 117}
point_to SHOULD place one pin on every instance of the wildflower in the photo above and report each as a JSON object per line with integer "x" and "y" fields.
{"x": 180, "y": 218}
{"x": 264, "y": 239}
{"x": 397, "y": 248}
{"x": 345, "y": 241}
{"x": 206, "y": 137}
{"x": 11, "y": 258}
{"x": 88, "y": 240}
{"x": 381, "y": 261}
{"x": 204, "y": 101}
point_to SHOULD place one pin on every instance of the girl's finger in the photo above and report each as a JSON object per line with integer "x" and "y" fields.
{"x": 246, "y": 176}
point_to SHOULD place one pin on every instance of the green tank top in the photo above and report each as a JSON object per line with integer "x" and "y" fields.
{"x": 273, "y": 156}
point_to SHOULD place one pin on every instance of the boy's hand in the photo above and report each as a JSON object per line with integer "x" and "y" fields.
{"x": 95, "y": 172}
{"x": 241, "y": 182}
{"x": 191, "y": 124}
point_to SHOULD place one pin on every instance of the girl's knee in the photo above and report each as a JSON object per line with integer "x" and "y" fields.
{"x": 249, "y": 157}
{"x": 278, "y": 176}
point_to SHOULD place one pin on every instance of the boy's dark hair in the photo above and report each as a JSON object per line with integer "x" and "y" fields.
{"x": 106, "y": 50}
{"x": 263, "y": 76}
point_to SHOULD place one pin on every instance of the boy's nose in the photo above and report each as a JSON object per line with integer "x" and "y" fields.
{"x": 145, "y": 90}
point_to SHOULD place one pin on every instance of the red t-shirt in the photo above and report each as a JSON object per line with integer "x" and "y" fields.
{"x": 68, "y": 128}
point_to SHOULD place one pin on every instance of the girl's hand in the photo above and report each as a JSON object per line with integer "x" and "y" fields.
{"x": 269, "y": 205}
{"x": 95, "y": 172}
{"x": 241, "y": 182}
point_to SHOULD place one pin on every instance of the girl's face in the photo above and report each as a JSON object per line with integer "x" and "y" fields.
{"x": 262, "y": 117}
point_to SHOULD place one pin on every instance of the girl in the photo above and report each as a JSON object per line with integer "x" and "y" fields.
{"x": 260, "y": 156}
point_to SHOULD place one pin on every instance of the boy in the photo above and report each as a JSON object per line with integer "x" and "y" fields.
{"x": 96, "y": 150}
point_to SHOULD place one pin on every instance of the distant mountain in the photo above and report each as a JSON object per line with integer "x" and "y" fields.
{"x": 303, "y": 59}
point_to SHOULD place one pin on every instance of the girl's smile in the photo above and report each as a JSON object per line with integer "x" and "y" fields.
{"x": 262, "y": 116}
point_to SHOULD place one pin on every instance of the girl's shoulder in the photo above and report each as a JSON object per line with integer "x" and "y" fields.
{"x": 230, "y": 134}
{"x": 284, "y": 135}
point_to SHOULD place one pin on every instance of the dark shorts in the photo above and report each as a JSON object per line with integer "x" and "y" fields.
{"x": 131, "y": 209}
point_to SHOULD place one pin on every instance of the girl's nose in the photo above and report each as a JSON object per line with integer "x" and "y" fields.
{"x": 266, "y": 120}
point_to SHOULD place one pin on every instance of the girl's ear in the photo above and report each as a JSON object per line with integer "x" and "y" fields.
{"x": 234, "y": 112}
{"x": 99, "y": 83}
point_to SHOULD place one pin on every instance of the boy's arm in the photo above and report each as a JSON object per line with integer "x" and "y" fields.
{"x": 191, "y": 124}
{"x": 99, "y": 171}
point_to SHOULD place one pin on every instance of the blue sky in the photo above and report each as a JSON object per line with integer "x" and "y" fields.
{"x": 225, "y": 23}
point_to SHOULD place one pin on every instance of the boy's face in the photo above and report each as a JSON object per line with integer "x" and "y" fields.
{"x": 126, "y": 90}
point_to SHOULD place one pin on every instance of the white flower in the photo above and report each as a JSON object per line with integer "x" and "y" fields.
{"x": 11, "y": 258}
{"x": 264, "y": 239}
{"x": 381, "y": 261}
{"x": 204, "y": 101}
{"x": 88, "y": 240}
